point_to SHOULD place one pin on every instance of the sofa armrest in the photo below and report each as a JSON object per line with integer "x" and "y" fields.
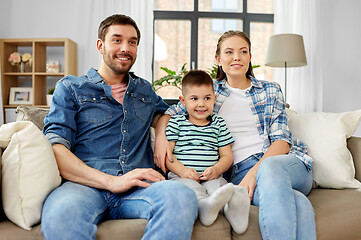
{"x": 354, "y": 145}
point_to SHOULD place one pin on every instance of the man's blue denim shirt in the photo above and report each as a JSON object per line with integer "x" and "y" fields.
{"x": 105, "y": 134}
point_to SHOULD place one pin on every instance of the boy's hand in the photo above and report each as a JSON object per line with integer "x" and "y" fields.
{"x": 190, "y": 174}
{"x": 209, "y": 174}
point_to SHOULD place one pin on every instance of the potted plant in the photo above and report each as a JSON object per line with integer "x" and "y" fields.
{"x": 175, "y": 78}
{"x": 49, "y": 96}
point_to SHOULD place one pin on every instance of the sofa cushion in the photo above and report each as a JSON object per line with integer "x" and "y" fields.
{"x": 337, "y": 213}
{"x": 134, "y": 229}
{"x": 33, "y": 114}
{"x": 325, "y": 135}
{"x": 2, "y": 214}
{"x": 29, "y": 172}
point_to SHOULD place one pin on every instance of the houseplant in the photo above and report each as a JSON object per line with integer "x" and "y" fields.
{"x": 175, "y": 78}
{"x": 49, "y": 96}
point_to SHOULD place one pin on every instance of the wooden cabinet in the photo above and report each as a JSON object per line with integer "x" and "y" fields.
{"x": 43, "y": 51}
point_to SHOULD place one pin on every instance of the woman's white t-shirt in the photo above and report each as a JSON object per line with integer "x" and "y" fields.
{"x": 242, "y": 125}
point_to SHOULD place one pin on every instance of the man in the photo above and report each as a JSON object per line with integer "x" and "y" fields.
{"x": 99, "y": 128}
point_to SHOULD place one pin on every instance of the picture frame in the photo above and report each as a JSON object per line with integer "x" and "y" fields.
{"x": 21, "y": 95}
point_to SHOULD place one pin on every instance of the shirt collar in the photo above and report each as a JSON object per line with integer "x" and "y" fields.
{"x": 254, "y": 83}
{"x": 94, "y": 76}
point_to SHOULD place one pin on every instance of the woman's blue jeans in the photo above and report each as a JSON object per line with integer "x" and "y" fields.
{"x": 72, "y": 211}
{"x": 282, "y": 183}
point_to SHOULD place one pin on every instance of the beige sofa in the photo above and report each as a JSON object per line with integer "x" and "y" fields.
{"x": 337, "y": 213}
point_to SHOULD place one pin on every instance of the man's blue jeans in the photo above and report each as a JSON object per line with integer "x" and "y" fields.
{"x": 72, "y": 211}
{"x": 282, "y": 183}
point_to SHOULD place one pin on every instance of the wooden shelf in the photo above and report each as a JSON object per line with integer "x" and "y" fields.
{"x": 41, "y": 50}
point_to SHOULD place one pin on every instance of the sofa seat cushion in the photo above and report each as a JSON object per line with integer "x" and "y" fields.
{"x": 133, "y": 229}
{"x": 338, "y": 213}
{"x": 253, "y": 232}
{"x": 10, "y": 231}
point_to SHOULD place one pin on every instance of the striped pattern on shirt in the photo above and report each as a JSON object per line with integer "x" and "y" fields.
{"x": 197, "y": 146}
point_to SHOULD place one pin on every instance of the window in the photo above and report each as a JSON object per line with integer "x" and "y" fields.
{"x": 186, "y": 31}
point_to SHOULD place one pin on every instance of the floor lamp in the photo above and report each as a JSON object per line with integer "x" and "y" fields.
{"x": 286, "y": 50}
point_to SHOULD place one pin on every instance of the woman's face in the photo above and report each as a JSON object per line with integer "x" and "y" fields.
{"x": 234, "y": 57}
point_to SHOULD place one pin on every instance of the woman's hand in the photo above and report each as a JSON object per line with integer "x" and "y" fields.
{"x": 250, "y": 181}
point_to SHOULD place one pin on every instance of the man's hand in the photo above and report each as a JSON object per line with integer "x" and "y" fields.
{"x": 190, "y": 174}
{"x": 134, "y": 178}
{"x": 209, "y": 174}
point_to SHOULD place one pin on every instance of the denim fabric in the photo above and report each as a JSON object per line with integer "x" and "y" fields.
{"x": 170, "y": 208}
{"x": 282, "y": 183}
{"x": 103, "y": 133}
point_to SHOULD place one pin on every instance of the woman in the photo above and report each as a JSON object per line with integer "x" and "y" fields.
{"x": 267, "y": 160}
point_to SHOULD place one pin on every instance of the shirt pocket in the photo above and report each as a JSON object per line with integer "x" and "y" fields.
{"x": 96, "y": 108}
{"x": 142, "y": 106}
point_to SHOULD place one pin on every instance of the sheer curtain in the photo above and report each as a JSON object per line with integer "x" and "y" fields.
{"x": 78, "y": 20}
{"x": 141, "y": 11}
{"x": 304, "y": 84}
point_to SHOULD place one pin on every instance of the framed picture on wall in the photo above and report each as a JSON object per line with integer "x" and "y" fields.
{"x": 21, "y": 95}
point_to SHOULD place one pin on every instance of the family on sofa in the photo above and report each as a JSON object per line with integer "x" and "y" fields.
{"x": 99, "y": 124}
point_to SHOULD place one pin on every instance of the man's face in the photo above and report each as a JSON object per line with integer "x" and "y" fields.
{"x": 119, "y": 48}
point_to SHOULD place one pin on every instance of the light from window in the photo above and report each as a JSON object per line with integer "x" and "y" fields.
{"x": 171, "y": 50}
{"x": 174, "y": 5}
{"x": 221, "y": 5}
{"x": 260, "y": 33}
{"x": 260, "y": 6}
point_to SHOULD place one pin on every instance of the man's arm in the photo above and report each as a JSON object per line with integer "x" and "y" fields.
{"x": 224, "y": 163}
{"x": 75, "y": 170}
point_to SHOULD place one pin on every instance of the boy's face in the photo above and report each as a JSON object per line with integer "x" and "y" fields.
{"x": 199, "y": 101}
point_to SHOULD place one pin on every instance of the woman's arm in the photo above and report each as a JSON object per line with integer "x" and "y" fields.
{"x": 162, "y": 151}
{"x": 224, "y": 163}
{"x": 278, "y": 147}
{"x": 178, "y": 168}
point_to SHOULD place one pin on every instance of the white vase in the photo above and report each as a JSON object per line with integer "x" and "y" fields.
{"x": 48, "y": 99}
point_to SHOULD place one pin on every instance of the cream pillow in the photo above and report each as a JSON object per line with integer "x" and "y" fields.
{"x": 29, "y": 172}
{"x": 325, "y": 135}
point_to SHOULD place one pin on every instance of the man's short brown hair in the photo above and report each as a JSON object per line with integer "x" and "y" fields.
{"x": 116, "y": 19}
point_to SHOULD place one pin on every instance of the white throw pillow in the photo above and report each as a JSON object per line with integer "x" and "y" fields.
{"x": 29, "y": 172}
{"x": 325, "y": 135}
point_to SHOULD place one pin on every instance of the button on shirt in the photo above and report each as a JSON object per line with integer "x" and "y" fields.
{"x": 105, "y": 134}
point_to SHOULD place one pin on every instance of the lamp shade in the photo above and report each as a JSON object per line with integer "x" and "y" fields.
{"x": 286, "y": 50}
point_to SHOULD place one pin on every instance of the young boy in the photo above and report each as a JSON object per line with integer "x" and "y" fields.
{"x": 201, "y": 145}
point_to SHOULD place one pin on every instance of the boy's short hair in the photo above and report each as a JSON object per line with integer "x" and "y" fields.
{"x": 196, "y": 77}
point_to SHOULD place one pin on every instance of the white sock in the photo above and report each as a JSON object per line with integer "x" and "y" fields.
{"x": 209, "y": 207}
{"x": 237, "y": 209}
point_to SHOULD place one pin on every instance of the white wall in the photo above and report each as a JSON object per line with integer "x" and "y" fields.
{"x": 342, "y": 56}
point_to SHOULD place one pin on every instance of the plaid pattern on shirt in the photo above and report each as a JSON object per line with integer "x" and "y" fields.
{"x": 268, "y": 108}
